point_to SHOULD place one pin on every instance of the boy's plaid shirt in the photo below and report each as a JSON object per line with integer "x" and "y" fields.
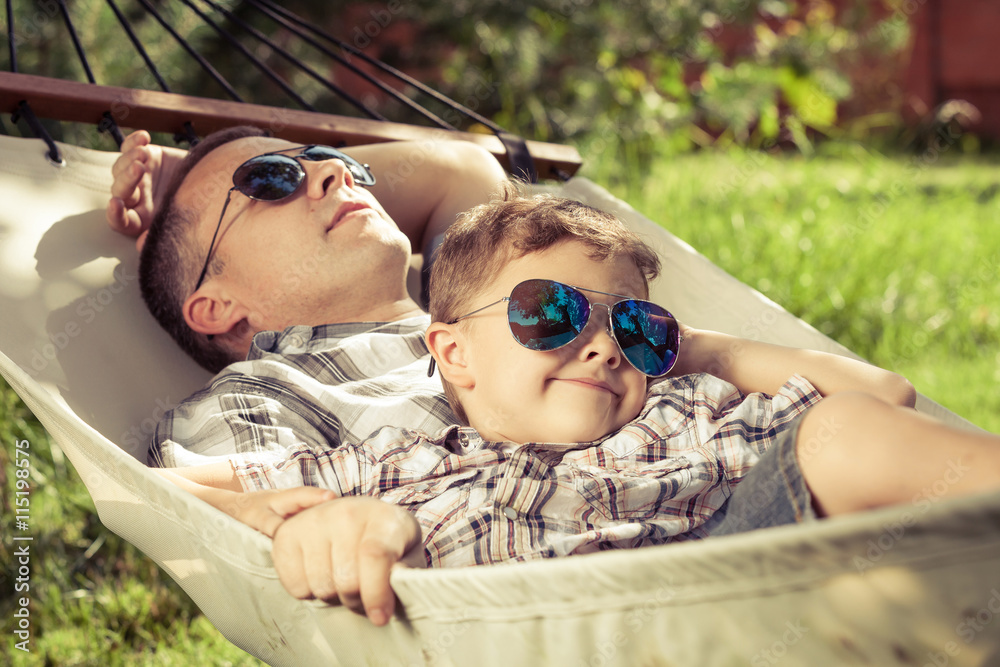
{"x": 658, "y": 479}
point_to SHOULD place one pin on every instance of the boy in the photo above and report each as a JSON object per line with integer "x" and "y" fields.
{"x": 689, "y": 456}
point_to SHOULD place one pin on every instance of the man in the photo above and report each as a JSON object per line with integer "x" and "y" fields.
{"x": 326, "y": 266}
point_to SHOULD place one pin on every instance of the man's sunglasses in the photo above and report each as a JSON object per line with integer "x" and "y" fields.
{"x": 545, "y": 315}
{"x": 273, "y": 177}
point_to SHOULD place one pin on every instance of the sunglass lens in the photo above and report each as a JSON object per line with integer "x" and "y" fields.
{"x": 319, "y": 153}
{"x": 545, "y": 315}
{"x": 268, "y": 177}
{"x": 648, "y": 335}
{"x": 361, "y": 174}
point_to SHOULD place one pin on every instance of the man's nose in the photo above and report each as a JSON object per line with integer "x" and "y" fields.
{"x": 326, "y": 175}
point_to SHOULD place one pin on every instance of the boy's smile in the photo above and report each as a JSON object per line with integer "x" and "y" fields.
{"x": 577, "y": 393}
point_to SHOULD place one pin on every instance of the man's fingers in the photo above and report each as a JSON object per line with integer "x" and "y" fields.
{"x": 137, "y": 138}
{"x": 126, "y": 159}
{"x": 349, "y": 529}
{"x": 116, "y": 215}
{"x": 127, "y": 182}
{"x": 318, "y": 567}
{"x": 343, "y": 550}
{"x": 295, "y": 500}
{"x": 121, "y": 219}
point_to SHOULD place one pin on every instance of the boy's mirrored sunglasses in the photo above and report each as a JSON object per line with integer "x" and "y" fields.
{"x": 273, "y": 177}
{"x": 545, "y": 315}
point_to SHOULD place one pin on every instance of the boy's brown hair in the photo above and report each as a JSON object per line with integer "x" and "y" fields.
{"x": 486, "y": 238}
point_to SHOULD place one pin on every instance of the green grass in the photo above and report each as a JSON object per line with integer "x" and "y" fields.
{"x": 95, "y": 599}
{"x": 911, "y": 285}
{"x": 896, "y": 259}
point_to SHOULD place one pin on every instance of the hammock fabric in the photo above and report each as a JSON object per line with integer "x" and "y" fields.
{"x": 907, "y": 585}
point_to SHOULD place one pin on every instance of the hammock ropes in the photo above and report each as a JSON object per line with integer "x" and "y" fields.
{"x": 336, "y": 51}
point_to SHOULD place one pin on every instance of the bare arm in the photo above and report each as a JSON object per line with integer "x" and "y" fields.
{"x": 263, "y": 511}
{"x": 753, "y": 366}
{"x": 425, "y": 185}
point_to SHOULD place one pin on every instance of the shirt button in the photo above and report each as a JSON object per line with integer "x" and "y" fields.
{"x": 510, "y": 513}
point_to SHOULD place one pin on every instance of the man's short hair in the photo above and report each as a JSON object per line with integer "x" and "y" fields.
{"x": 171, "y": 257}
{"x": 485, "y": 239}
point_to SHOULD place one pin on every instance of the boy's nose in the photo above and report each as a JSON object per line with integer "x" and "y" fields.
{"x": 597, "y": 340}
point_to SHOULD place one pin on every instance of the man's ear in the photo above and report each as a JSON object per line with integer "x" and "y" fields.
{"x": 448, "y": 345}
{"x": 212, "y": 311}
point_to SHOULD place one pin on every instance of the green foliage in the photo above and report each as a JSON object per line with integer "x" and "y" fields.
{"x": 648, "y": 75}
{"x": 642, "y": 75}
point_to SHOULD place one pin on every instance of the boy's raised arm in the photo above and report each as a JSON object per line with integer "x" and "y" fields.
{"x": 753, "y": 366}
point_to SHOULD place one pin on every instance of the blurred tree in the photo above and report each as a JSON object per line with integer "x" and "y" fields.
{"x": 632, "y": 77}
{"x": 656, "y": 75}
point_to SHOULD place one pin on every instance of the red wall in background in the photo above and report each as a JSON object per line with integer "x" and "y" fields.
{"x": 955, "y": 56}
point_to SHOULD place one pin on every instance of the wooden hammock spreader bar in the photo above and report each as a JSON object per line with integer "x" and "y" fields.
{"x": 167, "y": 112}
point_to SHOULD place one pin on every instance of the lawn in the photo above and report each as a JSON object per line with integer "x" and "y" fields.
{"x": 96, "y": 600}
{"x": 897, "y": 258}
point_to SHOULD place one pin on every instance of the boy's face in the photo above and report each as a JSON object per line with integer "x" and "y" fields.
{"x": 577, "y": 393}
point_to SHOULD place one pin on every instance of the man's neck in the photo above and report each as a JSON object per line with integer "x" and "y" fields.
{"x": 391, "y": 311}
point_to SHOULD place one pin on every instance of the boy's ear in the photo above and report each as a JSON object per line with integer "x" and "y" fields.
{"x": 448, "y": 345}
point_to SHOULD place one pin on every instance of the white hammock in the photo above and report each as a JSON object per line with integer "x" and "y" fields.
{"x": 918, "y": 584}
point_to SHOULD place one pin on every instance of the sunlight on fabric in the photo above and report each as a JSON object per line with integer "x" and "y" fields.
{"x": 18, "y": 245}
{"x": 88, "y": 280}
{"x": 186, "y": 567}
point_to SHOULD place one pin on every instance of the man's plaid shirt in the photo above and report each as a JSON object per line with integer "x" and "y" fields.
{"x": 658, "y": 479}
{"x": 307, "y": 387}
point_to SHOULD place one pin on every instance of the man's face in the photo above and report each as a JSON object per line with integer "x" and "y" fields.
{"x": 327, "y": 253}
{"x": 577, "y": 393}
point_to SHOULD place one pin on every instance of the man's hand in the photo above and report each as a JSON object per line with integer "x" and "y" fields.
{"x": 217, "y": 485}
{"x": 141, "y": 175}
{"x": 344, "y": 549}
{"x": 264, "y": 511}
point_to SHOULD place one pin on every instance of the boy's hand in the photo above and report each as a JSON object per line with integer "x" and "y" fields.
{"x": 141, "y": 175}
{"x": 344, "y": 549}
